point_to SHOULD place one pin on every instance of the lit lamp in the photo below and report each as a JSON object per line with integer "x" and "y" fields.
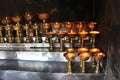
{"x": 71, "y": 35}
{"x": 50, "y": 35}
{"x": 98, "y": 57}
{"x": 84, "y": 56}
{"x": 68, "y": 26}
{"x": 56, "y": 26}
{"x": 8, "y": 29}
{"x": 81, "y": 50}
{"x": 79, "y": 27}
{"x": 93, "y": 50}
{"x": 61, "y": 35}
{"x": 83, "y": 34}
{"x": 70, "y": 56}
{"x": 93, "y": 35}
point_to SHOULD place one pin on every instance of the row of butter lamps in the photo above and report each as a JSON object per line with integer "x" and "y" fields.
{"x": 84, "y": 54}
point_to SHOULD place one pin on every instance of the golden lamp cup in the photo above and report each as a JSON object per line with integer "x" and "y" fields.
{"x": 91, "y": 25}
{"x": 84, "y": 56}
{"x": 98, "y": 57}
{"x": 50, "y": 35}
{"x": 83, "y": 34}
{"x": 81, "y": 50}
{"x": 69, "y": 57}
{"x": 93, "y": 35}
{"x": 92, "y": 51}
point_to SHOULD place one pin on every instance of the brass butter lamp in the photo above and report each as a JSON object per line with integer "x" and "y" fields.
{"x": 98, "y": 57}
{"x": 26, "y": 27}
{"x": 93, "y": 36}
{"x": 68, "y": 26}
{"x": 61, "y": 35}
{"x": 46, "y": 27}
{"x": 81, "y": 50}
{"x": 50, "y": 35}
{"x": 83, "y": 34}
{"x": 8, "y": 29}
{"x": 56, "y": 26}
{"x": 70, "y": 56}
{"x": 93, "y": 51}
{"x": 37, "y": 38}
{"x": 80, "y": 25}
{"x": 71, "y": 34}
{"x": 84, "y": 56}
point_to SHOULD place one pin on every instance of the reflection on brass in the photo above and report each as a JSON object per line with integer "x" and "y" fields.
{"x": 84, "y": 56}
{"x": 98, "y": 57}
{"x": 50, "y": 35}
{"x": 37, "y": 38}
{"x": 91, "y": 25}
{"x": 61, "y": 35}
{"x": 81, "y": 50}
{"x": 93, "y": 35}
{"x": 94, "y": 50}
{"x": 69, "y": 57}
{"x": 83, "y": 35}
{"x": 1, "y": 35}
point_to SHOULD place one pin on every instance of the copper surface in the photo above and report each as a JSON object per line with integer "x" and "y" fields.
{"x": 84, "y": 55}
{"x": 94, "y": 50}
{"x": 94, "y": 32}
{"x": 43, "y": 16}
{"x": 70, "y": 50}
{"x": 69, "y": 56}
{"x": 80, "y": 50}
{"x": 99, "y": 55}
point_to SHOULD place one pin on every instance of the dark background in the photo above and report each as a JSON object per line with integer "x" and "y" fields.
{"x": 59, "y": 10}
